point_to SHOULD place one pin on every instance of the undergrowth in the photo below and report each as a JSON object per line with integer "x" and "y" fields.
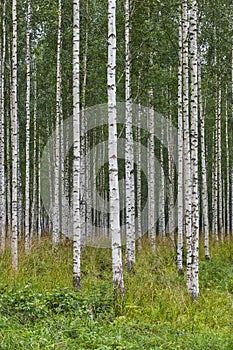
{"x": 39, "y": 309}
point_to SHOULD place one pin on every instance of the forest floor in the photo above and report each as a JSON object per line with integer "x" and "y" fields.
{"x": 39, "y": 309}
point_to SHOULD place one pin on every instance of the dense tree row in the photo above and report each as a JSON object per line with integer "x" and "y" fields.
{"x": 165, "y": 169}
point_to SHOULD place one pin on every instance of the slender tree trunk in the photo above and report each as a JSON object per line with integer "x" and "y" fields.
{"x": 118, "y": 281}
{"x": 57, "y": 201}
{"x": 129, "y": 154}
{"x": 186, "y": 145}
{"x": 194, "y": 150}
{"x": 14, "y": 139}
{"x": 227, "y": 211}
{"x": 180, "y": 157}
{"x": 3, "y": 206}
{"x": 139, "y": 189}
{"x": 204, "y": 190}
{"x": 77, "y": 151}
{"x": 84, "y": 165}
{"x": 34, "y": 215}
{"x": 28, "y": 90}
{"x": 219, "y": 162}
{"x": 215, "y": 186}
{"x": 162, "y": 187}
{"x": 151, "y": 172}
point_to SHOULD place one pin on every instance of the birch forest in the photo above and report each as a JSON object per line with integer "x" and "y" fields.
{"x": 116, "y": 174}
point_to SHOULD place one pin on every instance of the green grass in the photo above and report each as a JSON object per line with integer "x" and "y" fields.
{"x": 39, "y": 310}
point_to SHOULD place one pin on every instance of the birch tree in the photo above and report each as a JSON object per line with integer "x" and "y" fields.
{"x": 77, "y": 151}
{"x": 180, "y": 156}
{"x": 204, "y": 190}
{"x": 14, "y": 141}
{"x": 194, "y": 149}
{"x": 57, "y": 170}
{"x": 114, "y": 199}
{"x": 28, "y": 90}
{"x": 186, "y": 144}
{"x": 129, "y": 155}
{"x": 151, "y": 170}
{"x": 3, "y": 207}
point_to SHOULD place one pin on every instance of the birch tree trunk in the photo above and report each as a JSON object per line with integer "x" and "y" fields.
{"x": 77, "y": 151}
{"x": 215, "y": 185}
{"x": 34, "y": 215}
{"x": 162, "y": 187}
{"x": 56, "y": 216}
{"x": 180, "y": 156}
{"x": 151, "y": 173}
{"x": 194, "y": 149}
{"x": 28, "y": 90}
{"x": 139, "y": 190}
{"x": 219, "y": 162}
{"x": 14, "y": 141}
{"x": 3, "y": 203}
{"x": 84, "y": 166}
{"x": 204, "y": 190}
{"x": 129, "y": 154}
{"x": 227, "y": 211}
{"x": 118, "y": 281}
{"x": 186, "y": 144}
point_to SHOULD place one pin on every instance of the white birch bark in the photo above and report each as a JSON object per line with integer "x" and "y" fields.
{"x": 57, "y": 175}
{"x": 186, "y": 144}
{"x": 171, "y": 181}
{"x": 219, "y": 162}
{"x": 39, "y": 218}
{"x": 129, "y": 154}
{"x": 84, "y": 165}
{"x": 139, "y": 190}
{"x": 14, "y": 142}
{"x": 180, "y": 157}
{"x": 204, "y": 190}
{"x": 34, "y": 215}
{"x": 162, "y": 188}
{"x": 151, "y": 172}
{"x": 215, "y": 186}
{"x": 118, "y": 281}
{"x": 3, "y": 207}
{"x": 77, "y": 151}
{"x": 194, "y": 149}
{"x": 227, "y": 211}
{"x": 28, "y": 90}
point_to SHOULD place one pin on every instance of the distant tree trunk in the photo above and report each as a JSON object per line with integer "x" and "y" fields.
{"x": 139, "y": 189}
{"x": 39, "y": 228}
{"x": 77, "y": 151}
{"x": 204, "y": 190}
{"x": 34, "y": 215}
{"x": 28, "y": 91}
{"x": 219, "y": 162}
{"x": 14, "y": 142}
{"x": 151, "y": 169}
{"x": 118, "y": 281}
{"x": 180, "y": 157}
{"x": 227, "y": 209}
{"x": 215, "y": 185}
{"x": 162, "y": 187}
{"x": 129, "y": 154}
{"x": 171, "y": 179}
{"x": 186, "y": 144}
{"x": 57, "y": 196}
{"x": 3, "y": 206}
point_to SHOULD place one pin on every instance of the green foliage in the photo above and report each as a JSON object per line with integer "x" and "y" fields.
{"x": 39, "y": 309}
